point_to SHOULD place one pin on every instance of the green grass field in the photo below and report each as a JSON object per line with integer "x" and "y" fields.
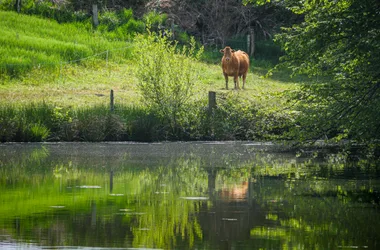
{"x": 40, "y": 53}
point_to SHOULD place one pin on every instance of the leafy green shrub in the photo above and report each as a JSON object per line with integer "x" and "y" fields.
{"x": 67, "y": 131}
{"x": 145, "y": 127}
{"x": 134, "y": 26}
{"x": 38, "y": 132}
{"x": 154, "y": 20}
{"x": 239, "y": 119}
{"x": 42, "y": 8}
{"x": 233, "y": 119}
{"x": 115, "y": 128}
{"x": 26, "y": 123}
{"x": 166, "y": 76}
{"x": 63, "y": 125}
{"x": 7, "y": 5}
{"x": 211, "y": 55}
{"x": 267, "y": 50}
{"x": 120, "y": 25}
{"x": 8, "y": 127}
{"x": 139, "y": 123}
{"x": 109, "y": 19}
{"x": 92, "y": 128}
{"x": 38, "y": 113}
{"x": 61, "y": 11}
{"x": 97, "y": 124}
{"x": 126, "y": 15}
{"x": 262, "y": 63}
{"x": 183, "y": 37}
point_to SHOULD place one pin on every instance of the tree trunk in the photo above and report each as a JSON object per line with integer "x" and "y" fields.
{"x": 18, "y": 6}
{"x": 252, "y": 40}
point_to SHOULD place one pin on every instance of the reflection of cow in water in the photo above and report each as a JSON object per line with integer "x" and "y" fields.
{"x": 233, "y": 214}
{"x": 237, "y": 192}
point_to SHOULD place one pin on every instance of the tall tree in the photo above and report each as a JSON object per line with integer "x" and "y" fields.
{"x": 338, "y": 44}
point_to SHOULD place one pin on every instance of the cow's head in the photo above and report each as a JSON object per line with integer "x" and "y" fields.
{"x": 227, "y": 51}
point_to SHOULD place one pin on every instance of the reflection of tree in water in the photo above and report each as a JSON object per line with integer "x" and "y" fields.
{"x": 255, "y": 199}
{"x": 172, "y": 220}
{"x": 311, "y": 204}
{"x": 169, "y": 220}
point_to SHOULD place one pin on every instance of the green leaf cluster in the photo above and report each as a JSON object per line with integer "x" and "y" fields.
{"x": 120, "y": 25}
{"x": 338, "y": 46}
{"x": 167, "y": 74}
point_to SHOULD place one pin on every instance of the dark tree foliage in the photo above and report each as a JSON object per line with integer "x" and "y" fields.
{"x": 338, "y": 45}
{"x": 214, "y": 21}
{"x": 137, "y": 5}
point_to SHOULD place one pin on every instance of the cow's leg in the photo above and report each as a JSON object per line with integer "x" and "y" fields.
{"x": 244, "y": 77}
{"x": 236, "y": 81}
{"x": 226, "y": 78}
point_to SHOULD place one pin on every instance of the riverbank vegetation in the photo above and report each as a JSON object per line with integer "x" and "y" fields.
{"x": 58, "y": 70}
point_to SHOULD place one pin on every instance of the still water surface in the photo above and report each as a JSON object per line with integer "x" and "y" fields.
{"x": 232, "y": 195}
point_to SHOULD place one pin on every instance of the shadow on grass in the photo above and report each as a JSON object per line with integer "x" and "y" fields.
{"x": 283, "y": 75}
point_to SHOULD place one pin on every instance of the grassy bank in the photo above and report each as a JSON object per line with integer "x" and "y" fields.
{"x": 70, "y": 100}
{"x": 28, "y": 42}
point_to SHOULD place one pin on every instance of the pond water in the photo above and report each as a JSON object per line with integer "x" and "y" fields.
{"x": 232, "y": 195}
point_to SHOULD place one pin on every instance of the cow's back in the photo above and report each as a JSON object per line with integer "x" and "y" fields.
{"x": 243, "y": 61}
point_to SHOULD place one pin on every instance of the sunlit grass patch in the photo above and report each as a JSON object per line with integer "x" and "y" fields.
{"x": 28, "y": 42}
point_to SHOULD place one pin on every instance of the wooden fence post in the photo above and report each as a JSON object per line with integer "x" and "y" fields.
{"x": 95, "y": 19}
{"x": 112, "y": 106}
{"x": 211, "y": 100}
{"x": 211, "y": 108}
